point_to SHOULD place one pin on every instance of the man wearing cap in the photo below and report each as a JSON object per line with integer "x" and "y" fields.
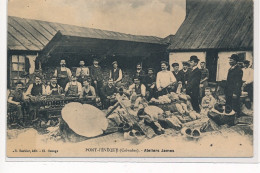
{"x": 204, "y": 78}
{"x": 150, "y": 82}
{"x": 82, "y": 72}
{"x": 165, "y": 80}
{"x": 116, "y": 74}
{"x": 140, "y": 73}
{"x": 108, "y": 94}
{"x": 248, "y": 77}
{"x": 176, "y": 72}
{"x": 184, "y": 73}
{"x": 96, "y": 76}
{"x": 234, "y": 84}
{"x": 193, "y": 83}
{"x": 63, "y": 74}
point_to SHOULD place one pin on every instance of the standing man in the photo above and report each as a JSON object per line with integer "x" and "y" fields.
{"x": 82, "y": 72}
{"x": 204, "y": 78}
{"x": 248, "y": 78}
{"x": 184, "y": 73}
{"x": 139, "y": 73}
{"x": 193, "y": 83}
{"x": 176, "y": 72}
{"x": 96, "y": 76}
{"x": 37, "y": 88}
{"x": 116, "y": 74}
{"x": 150, "y": 83}
{"x": 234, "y": 84}
{"x": 63, "y": 74}
{"x": 165, "y": 80}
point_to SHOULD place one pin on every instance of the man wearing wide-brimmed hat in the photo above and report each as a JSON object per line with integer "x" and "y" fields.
{"x": 234, "y": 84}
{"x": 193, "y": 83}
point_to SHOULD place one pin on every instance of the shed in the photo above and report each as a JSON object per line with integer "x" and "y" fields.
{"x": 35, "y": 40}
{"x": 213, "y": 30}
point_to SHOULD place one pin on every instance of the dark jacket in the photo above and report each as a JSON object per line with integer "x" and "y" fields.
{"x": 193, "y": 82}
{"x": 107, "y": 91}
{"x": 96, "y": 73}
{"x": 178, "y": 76}
{"x": 234, "y": 81}
{"x": 184, "y": 76}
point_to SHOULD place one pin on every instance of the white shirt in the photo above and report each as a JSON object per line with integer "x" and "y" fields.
{"x": 132, "y": 87}
{"x": 164, "y": 79}
{"x": 84, "y": 70}
{"x": 248, "y": 75}
{"x": 49, "y": 91}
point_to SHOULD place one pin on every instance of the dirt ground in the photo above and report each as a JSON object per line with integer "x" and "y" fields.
{"x": 227, "y": 142}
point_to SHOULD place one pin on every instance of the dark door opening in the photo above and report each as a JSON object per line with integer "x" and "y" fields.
{"x": 211, "y": 64}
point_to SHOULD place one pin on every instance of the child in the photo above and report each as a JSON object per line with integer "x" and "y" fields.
{"x": 208, "y": 101}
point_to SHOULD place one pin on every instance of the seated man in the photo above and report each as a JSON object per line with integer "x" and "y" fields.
{"x": 165, "y": 80}
{"x": 137, "y": 92}
{"x": 37, "y": 88}
{"x": 73, "y": 88}
{"x": 16, "y": 101}
{"x": 53, "y": 88}
{"x": 108, "y": 94}
{"x": 88, "y": 91}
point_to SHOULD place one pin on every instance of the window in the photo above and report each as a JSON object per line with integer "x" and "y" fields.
{"x": 17, "y": 68}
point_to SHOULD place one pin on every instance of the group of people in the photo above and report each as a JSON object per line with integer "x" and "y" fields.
{"x": 88, "y": 83}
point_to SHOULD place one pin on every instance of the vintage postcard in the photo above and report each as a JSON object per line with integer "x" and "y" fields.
{"x": 130, "y": 79}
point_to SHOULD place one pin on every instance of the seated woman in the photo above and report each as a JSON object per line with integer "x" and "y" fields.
{"x": 16, "y": 101}
{"x": 73, "y": 88}
{"x": 53, "y": 88}
{"x": 88, "y": 92}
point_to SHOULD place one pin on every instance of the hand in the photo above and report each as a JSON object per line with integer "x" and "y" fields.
{"x": 159, "y": 89}
{"x": 54, "y": 89}
{"x": 17, "y": 103}
{"x": 95, "y": 82}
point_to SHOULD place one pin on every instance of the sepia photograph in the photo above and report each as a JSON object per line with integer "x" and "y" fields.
{"x": 130, "y": 79}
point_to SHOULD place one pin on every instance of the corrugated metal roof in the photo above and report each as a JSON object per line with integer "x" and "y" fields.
{"x": 216, "y": 24}
{"x": 29, "y": 34}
